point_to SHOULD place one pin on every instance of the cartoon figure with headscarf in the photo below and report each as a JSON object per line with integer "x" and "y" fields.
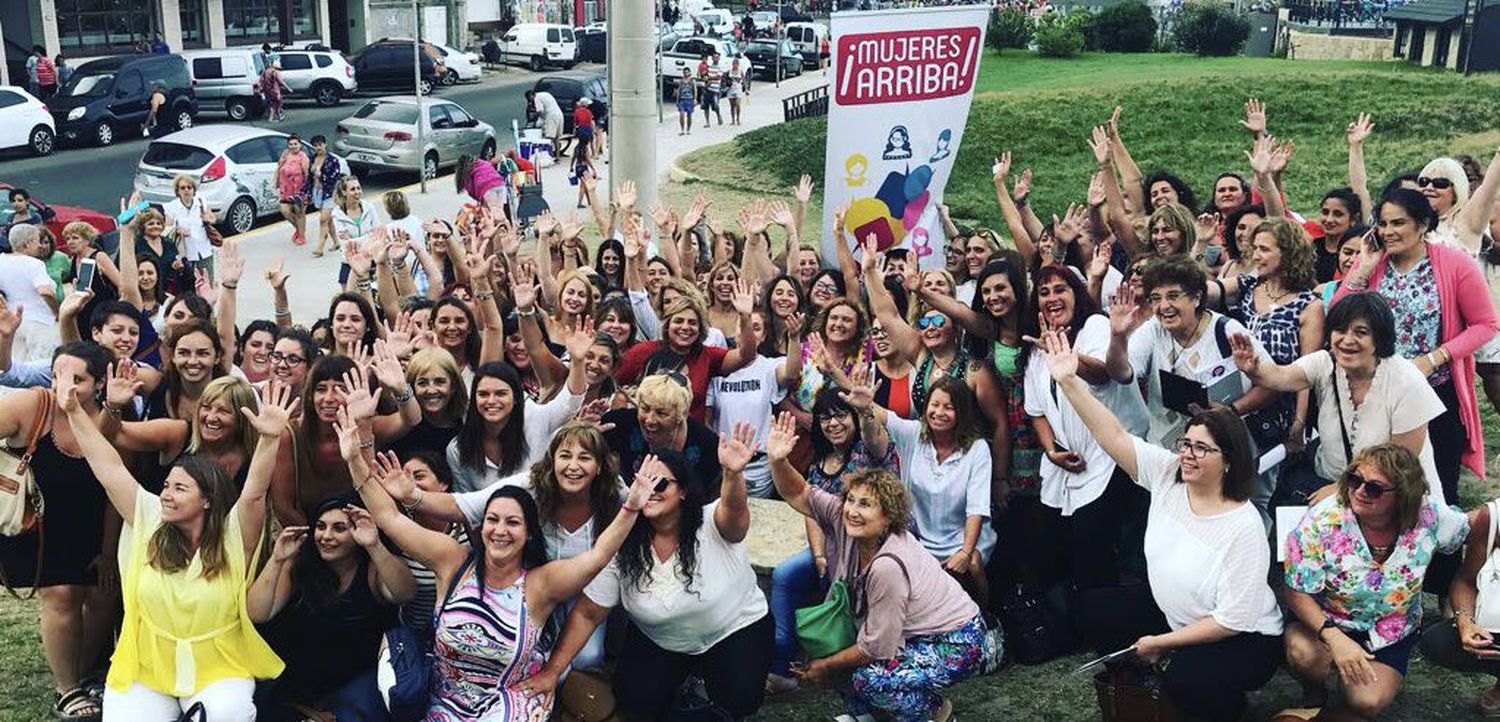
{"x": 854, "y": 170}
{"x": 897, "y": 144}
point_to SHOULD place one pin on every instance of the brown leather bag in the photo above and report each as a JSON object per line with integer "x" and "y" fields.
{"x": 585, "y": 697}
{"x": 21, "y": 502}
{"x": 1126, "y": 695}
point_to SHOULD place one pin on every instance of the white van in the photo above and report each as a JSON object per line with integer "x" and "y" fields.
{"x": 717, "y": 22}
{"x": 538, "y": 45}
{"x": 807, "y": 39}
{"x": 225, "y": 78}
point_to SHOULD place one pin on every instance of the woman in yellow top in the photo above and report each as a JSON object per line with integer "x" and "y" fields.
{"x": 185, "y": 567}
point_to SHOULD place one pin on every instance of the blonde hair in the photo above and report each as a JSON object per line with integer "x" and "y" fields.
{"x": 662, "y": 391}
{"x": 688, "y": 302}
{"x": 146, "y": 216}
{"x": 582, "y": 276}
{"x": 236, "y": 394}
{"x": 428, "y": 360}
{"x": 1403, "y": 469}
{"x": 183, "y": 179}
{"x": 396, "y": 205}
{"x": 1453, "y": 171}
{"x": 81, "y": 229}
{"x": 1177, "y": 217}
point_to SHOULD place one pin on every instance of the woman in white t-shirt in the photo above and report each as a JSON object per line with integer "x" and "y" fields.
{"x": 1366, "y": 393}
{"x": 1209, "y": 606}
{"x": 1089, "y": 498}
{"x": 188, "y": 219}
{"x": 750, "y": 394}
{"x": 684, "y": 579}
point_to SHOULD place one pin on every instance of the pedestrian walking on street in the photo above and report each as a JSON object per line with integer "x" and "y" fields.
{"x": 271, "y": 88}
{"x": 685, "y": 103}
{"x": 291, "y": 177}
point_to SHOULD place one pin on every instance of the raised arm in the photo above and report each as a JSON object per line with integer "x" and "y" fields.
{"x": 732, "y": 515}
{"x": 1359, "y": 178}
{"x": 803, "y": 194}
{"x": 904, "y": 338}
{"x": 231, "y": 266}
{"x": 277, "y": 278}
{"x": 271, "y": 420}
{"x": 392, "y": 379}
{"x": 1062, "y": 363}
{"x": 1013, "y": 220}
{"x": 525, "y": 288}
{"x": 119, "y": 484}
{"x": 955, "y": 309}
{"x": 1285, "y": 379}
{"x": 790, "y": 483}
{"x": 847, "y": 265}
{"x": 1115, "y": 214}
{"x": 389, "y": 576}
{"x": 1125, "y": 316}
{"x": 744, "y": 342}
{"x": 1263, "y": 160}
{"x": 272, "y": 588}
{"x": 433, "y": 549}
{"x": 130, "y": 277}
{"x": 564, "y": 579}
{"x": 546, "y": 235}
{"x": 491, "y": 326}
{"x": 1475, "y": 216}
{"x": 1130, "y": 173}
{"x": 872, "y": 418}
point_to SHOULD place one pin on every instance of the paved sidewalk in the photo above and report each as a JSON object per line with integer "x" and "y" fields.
{"x": 314, "y": 280}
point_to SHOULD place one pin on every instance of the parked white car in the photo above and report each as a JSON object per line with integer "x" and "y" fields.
{"x": 25, "y": 122}
{"x": 463, "y": 66}
{"x": 235, "y": 166}
{"x": 382, "y": 135}
{"x": 538, "y": 45}
{"x": 322, "y": 75}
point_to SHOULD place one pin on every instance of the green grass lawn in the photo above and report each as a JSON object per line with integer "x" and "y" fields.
{"x": 1181, "y": 114}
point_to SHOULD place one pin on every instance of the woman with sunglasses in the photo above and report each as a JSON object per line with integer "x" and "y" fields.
{"x": 1354, "y": 571}
{"x": 1463, "y": 210}
{"x": 1366, "y": 393}
{"x": 1208, "y": 605}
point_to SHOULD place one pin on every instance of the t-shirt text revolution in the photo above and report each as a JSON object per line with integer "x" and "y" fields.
{"x": 906, "y": 65}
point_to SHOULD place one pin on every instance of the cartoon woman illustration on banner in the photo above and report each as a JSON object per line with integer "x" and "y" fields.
{"x": 945, "y": 138}
{"x": 897, "y": 144}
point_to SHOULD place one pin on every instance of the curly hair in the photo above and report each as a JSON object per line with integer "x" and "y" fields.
{"x": 886, "y": 487}
{"x": 603, "y": 491}
{"x": 1298, "y": 269}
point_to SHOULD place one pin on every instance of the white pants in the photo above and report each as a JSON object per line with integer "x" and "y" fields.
{"x": 35, "y": 341}
{"x": 227, "y": 700}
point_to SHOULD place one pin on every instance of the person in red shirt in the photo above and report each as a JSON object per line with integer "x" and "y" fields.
{"x": 681, "y": 349}
{"x": 583, "y": 125}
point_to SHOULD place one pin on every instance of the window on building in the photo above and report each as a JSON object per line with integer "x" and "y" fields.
{"x": 190, "y": 12}
{"x": 104, "y": 24}
{"x": 250, "y": 22}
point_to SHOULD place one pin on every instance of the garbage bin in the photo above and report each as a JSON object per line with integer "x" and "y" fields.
{"x": 1262, "y": 40}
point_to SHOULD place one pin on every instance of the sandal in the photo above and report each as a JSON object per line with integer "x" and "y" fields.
{"x": 77, "y": 705}
{"x": 317, "y": 254}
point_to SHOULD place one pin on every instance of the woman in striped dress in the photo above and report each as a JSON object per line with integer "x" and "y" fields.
{"x": 503, "y": 589}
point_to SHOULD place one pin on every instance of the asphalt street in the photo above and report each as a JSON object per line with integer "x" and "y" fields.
{"x": 97, "y": 178}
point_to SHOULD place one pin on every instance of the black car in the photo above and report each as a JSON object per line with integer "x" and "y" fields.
{"x": 110, "y": 96}
{"x": 386, "y": 66}
{"x": 568, "y": 90}
{"x": 762, "y": 57}
{"x": 593, "y": 45}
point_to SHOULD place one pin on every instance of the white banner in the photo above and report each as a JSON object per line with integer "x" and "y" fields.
{"x": 902, "y": 82}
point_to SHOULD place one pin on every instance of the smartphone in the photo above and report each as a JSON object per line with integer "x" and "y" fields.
{"x": 1375, "y": 241}
{"x": 85, "y": 280}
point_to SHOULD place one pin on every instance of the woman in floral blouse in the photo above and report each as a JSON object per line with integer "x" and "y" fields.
{"x": 1354, "y": 569}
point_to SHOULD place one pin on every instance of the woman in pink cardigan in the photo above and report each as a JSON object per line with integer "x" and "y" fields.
{"x": 1443, "y": 315}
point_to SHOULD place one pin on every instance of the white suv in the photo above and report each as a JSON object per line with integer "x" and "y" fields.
{"x": 322, "y": 75}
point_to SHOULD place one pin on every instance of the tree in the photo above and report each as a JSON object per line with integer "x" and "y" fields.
{"x": 1010, "y": 28}
{"x": 1125, "y": 28}
{"x": 1210, "y": 28}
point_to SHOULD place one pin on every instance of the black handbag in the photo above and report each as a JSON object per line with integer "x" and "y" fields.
{"x": 1036, "y": 625}
{"x": 195, "y": 713}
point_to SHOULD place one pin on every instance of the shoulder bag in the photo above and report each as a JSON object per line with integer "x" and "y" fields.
{"x": 1487, "y": 601}
{"x": 404, "y": 665}
{"x": 827, "y": 628}
{"x": 1130, "y": 693}
{"x": 21, "y": 503}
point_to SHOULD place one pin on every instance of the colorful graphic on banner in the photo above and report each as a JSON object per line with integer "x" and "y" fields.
{"x": 901, "y": 87}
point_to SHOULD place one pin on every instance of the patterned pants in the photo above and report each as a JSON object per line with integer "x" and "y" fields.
{"x": 906, "y": 685}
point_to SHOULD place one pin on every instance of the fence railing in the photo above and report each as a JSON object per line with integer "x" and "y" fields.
{"x": 810, "y": 104}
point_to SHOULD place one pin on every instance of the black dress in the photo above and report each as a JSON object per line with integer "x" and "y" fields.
{"x": 72, "y": 523}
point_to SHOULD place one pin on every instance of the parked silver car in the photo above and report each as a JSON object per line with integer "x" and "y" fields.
{"x": 382, "y": 135}
{"x": 235, "y": 166}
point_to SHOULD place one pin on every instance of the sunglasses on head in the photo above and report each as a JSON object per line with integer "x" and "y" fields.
{"x": 1372, "y": 489}
{"x": 927, "y": 322}
{"x": 1441, "y": 184}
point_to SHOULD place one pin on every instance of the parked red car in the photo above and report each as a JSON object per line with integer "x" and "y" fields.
{"x": 55, "y": 217}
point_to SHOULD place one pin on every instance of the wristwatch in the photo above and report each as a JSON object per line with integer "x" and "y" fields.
{"x": 1328, "y": 624}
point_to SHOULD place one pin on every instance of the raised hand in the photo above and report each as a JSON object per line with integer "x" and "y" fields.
{"x": 364, "y": 532}
{"x": 646, "y": 478}
{"x": 1062, "y": 360}
{"x": 1208, "y": 226}
{"x": 868, "y": 259}
{"x": 277, "y": 406}
{"x": 1097, "y": 197}
{"x": 570, "y": 227}
{"x": 1001, "y": 169}
{"x": 738, "y": 448}
{"x": 1281, "y": 154}
{"x": 1114, "y": 123}
{"x": 204, "y": 288}
{"x": 781, "y": 215}
{"x": 387, "y": 367}
{"x": 1099, "y": 264}
{"x": 804, "y": 188}
{"x": 122, "y": 386}
{"x": 1125, "y": 314}
{"x": 391, "y": 476}
{"x": 357, "y": 397}
{"x": 782, "y": 438}
{"x": 545, "y": 224}
{"x": 347, "y": 430}
{"x": 661, "y": 215}
{"x": 524, "y": 287}
{"x": 592, "y": 411}
{"x": 400, "y": 336}
{"x": 1070, "y": 226}
{"x": 579, "y": 338}
{"x": 1022, "y": 191}
{"x": 288, "y": 542}
{"x": 861, "y": 393}
{"x": 70, "y": 306}
{"x": 625, "y": 196}
{"x": 1099, "y": 143}
{"x": 230, "y": 264}
{"x": 1255, "y": 117}
{"x": 744, "y": 297}
{"x": 10, "y": 319}
{"x": 1245, "y": 356}
{"x": 276, "y": 276}
{"x": 1359, "y": 130}
{"x": 1260, "y": 155}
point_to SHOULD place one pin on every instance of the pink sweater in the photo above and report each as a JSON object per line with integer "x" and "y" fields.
{"x": 1468, "y": 322}
{"x": 483, "y": 179}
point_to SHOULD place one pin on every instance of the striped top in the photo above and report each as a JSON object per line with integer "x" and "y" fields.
{"x": 417, "y": 613}
{"x": 486, "y": 644}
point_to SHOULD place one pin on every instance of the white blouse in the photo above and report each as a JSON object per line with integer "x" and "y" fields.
{"x": 944, "y": 493}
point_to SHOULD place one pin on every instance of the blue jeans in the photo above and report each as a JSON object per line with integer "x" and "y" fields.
{"x": 792, "y": 582}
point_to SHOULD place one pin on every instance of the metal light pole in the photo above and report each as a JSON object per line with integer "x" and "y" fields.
{"x": 632, "y": 94}
{"x": 416, "y": 69}
{"x": 777, "y": 33}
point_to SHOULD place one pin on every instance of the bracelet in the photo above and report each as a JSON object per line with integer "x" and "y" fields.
{"x": 230, "y": 287}
{"x": 281, "y": 312}
{"x": 403, "y": 397}
{"x": 484, "y": 295}
{"x": 629, "y": 508}
{"x": 527, "y": 312}
{"x": 367, "y": 444}
{"x": 112, "y": 410}
{"x": 416, "y": 501}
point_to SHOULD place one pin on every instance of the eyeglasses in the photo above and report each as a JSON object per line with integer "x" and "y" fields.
{"x": 289, "y": 359}
{"x": 927, "y": 322}
{"x": 674, "y": 376}
{"x": 1169, "y": 297}
{"x": 1354, "y": 481}
{"x": 1195, "y": 449}
{"x": 440, "y": 236}
{"x": 831, "y": 416}
{"x": 1441, "y": 184}
{"x": 877, "y": 332}
{"x": 826, "y": 287}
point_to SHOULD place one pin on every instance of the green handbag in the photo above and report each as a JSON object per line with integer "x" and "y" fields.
{"x": 827, "y": 628}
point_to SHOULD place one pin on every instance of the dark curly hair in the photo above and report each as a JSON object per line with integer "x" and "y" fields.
{"x": 636, "y": 557}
